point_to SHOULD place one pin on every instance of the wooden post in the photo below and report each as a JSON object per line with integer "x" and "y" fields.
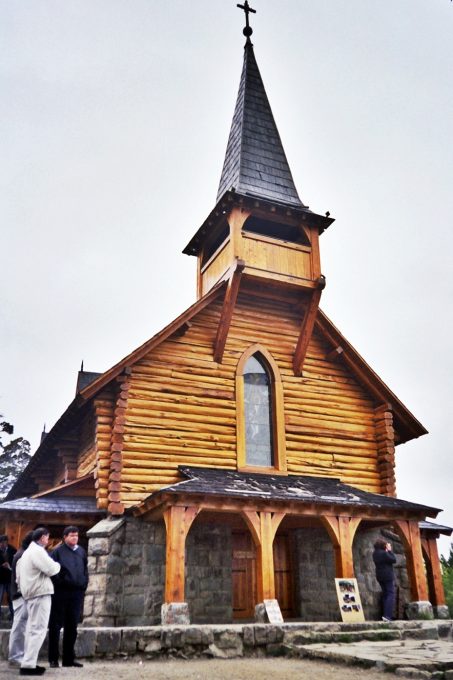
{"x": 263, "y": 527}
{"x": 410, "y": 533}
{"x": 341, "y": 531}
{"x": 435, "y": 583}
{"x": 178, "y": 520}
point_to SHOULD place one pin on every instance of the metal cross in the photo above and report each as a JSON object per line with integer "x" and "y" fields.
{"x": 247, "y": 10}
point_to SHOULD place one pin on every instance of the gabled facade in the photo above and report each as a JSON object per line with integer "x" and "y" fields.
{"x": 246, "y": 452}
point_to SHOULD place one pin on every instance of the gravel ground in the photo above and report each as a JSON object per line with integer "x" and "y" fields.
{"x": 210, "y": 669}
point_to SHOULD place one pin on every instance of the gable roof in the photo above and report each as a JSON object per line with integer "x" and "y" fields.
{"x": 407, "y": 425}
{"x": 255, "y": 162}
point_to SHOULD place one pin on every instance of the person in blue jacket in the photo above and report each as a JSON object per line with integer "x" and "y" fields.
{"x": 67, "y": 601}
{"x": 384, "y": 559}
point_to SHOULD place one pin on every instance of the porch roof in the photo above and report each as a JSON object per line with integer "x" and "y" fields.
{"x": 75, "y": 506}
{"x": 325, "y": 491}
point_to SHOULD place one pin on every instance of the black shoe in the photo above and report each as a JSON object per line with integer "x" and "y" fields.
{"x": 38, "y": 670}
{"x": 74, "y": 664}
{"x": 54, "y": 664}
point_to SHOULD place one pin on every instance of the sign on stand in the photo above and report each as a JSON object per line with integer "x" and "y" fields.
{"x": 349, "y": 600}
{"x": 273, "y": 611}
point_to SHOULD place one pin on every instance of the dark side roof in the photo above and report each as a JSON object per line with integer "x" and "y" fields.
{"x": 255, "y": 161}
{"x": 302, "y": 489}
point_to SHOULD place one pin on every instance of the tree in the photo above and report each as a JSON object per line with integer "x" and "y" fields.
{"x": 14, "y": 457}
{"x": 447, "y": 575}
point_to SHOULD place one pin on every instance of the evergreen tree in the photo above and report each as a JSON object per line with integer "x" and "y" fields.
{"x": 14, "y": 457}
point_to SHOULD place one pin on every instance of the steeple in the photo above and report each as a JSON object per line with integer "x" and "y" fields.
{"x": 259, "y": 233}
{"x": 255, "y": 161}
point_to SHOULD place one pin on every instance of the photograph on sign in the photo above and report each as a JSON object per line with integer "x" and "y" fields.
{"x": 349, "y": 600}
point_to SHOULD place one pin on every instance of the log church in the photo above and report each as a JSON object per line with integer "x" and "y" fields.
{"x": 245, "y": 453}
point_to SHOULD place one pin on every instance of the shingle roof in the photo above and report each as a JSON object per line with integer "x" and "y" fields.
{"x": 304, "y": 489}
{"x": 77, "y": 505}
{"x": 438, "y": 528}
{"x": 255, "y": 161}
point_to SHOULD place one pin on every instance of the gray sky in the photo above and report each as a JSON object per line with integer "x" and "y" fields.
{"x": 114, "y": 122}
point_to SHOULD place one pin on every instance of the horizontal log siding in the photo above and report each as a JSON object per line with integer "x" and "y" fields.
{"x": 181, "y": 407}
{"x": 104, "y": 405}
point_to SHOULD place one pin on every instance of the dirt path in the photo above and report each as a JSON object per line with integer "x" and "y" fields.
{"x": 210, "y": 669}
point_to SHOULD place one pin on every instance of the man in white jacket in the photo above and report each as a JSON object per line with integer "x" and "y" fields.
{"x": 33, "y": 572}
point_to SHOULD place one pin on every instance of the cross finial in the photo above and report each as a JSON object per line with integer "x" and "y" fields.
{"x": 247, "y": 9}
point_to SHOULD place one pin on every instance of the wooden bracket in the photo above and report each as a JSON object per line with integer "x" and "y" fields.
{"x": 335, "y": 353}
{"x": 341, "y": 531}
{"x": 263, "y": 526}
{"x": 229, "y": 303}
{"x": 410, "y": 533}
{"x": 306, "y": 329}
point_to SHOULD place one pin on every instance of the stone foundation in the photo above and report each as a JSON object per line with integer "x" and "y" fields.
{"x": 127, "y": 574}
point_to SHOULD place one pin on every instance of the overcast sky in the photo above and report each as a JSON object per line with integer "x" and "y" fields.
{"x": 114, "y": 118}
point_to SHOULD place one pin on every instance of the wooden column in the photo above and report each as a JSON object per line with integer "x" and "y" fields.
{"x": 178, "y": 520}
{"x": 385, "y": 440}
{"x": 410, "y": 533}
{"x": 342, "y": 531}
{"x": 434, "y": 573}
{"x": 263, "y": 527}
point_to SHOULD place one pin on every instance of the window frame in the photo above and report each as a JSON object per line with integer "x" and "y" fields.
{"x": 277, "y": 414}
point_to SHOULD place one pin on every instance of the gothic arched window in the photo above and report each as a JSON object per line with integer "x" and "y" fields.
{"x": 259, "y": 448}
{"x": 260, "y": 419}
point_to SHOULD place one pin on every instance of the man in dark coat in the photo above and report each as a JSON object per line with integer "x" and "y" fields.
{"x": 384, "y": 559}
{"x": 67, "y": 601}
{"x": 7, "y": 553}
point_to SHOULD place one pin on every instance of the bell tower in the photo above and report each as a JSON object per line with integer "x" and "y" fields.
{"x": 259, "y": 232}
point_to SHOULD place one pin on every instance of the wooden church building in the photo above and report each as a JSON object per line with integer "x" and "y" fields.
{"x": 247, "y": 451}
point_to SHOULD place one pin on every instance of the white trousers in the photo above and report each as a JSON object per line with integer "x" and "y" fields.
{"x": 38, "y": 609}
{"x": 17, "y": 634}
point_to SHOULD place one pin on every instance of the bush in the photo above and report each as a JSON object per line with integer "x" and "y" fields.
{"x": 447, "y": 576}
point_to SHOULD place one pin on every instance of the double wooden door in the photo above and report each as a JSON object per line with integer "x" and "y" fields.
{"x": 244, "y": 575}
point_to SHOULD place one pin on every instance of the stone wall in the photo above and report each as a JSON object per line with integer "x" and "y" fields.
{"x": 316, "y": 598}
{"x": 208, "y": 582}
{"x": 126, "y": 562}
{"x": 370, "y": 591}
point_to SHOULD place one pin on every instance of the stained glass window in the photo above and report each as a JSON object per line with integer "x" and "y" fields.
{"x": 258, "y": 413}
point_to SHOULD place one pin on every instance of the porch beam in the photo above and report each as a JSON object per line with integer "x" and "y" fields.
{"x": 410, "y": 533}
{"x": 342, "y": 531}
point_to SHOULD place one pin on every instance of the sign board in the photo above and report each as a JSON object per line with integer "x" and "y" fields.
{"x": 349, "y": 600}
{"x": 273, "y": 611}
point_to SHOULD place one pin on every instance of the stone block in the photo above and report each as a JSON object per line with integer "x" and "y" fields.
{"x": 444, "y": 629}
{"x": 133, "y": 605}
{"x": 412, "y": 672}
{"x": 85, "y": 646}
{"x": 106, "y": 527}
{"x": 114, "y": 565}
{"x": 448, "y": 675}
{"x": 98, "y": 546}
{"x": 228, "y": 639}
{"x": 108, "y": 641}
{"x": 175, "y": 613}
{"x": 419, "y": 610}
{"x": 97, "y": 584}
{"x": 192, "y": 636}
{"x": 172, "y": 638}
{"x": 441, "y": 612}
{"x": 88, "y": 605}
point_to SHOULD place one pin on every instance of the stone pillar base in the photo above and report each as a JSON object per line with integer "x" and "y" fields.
{"x": 419, "y": 610}
{"x": 441, "y": 612}
{"x": 268, "y": 612}
{"x": 175, "y": 613}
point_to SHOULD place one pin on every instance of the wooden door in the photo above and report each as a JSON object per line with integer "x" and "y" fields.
{"x": 244, "y": 575}
{"x": 283, "y": 574}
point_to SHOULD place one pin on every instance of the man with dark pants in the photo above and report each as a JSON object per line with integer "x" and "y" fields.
{"x": 67, "y": 601}
{"x": 7, "y": 553}
{"x": 384, "y": 559}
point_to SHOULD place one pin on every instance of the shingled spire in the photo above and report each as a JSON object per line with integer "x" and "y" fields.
{"x": 255, "y": 162}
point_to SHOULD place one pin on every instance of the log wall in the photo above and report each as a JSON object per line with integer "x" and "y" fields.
{"x": 181, "y": 406}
